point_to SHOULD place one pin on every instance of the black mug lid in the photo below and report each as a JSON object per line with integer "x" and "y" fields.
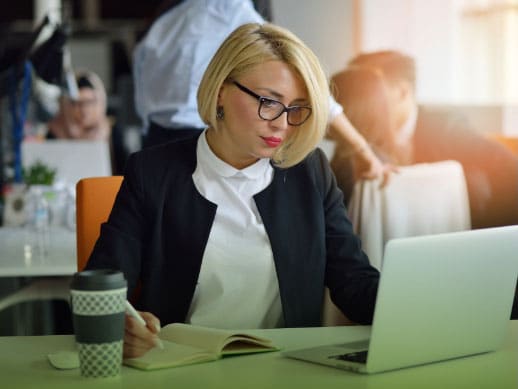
{"x": 99, "y": 279}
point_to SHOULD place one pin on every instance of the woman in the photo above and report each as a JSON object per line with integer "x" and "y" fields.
{"x": 83, "y": 117}
{"x": 243, "y": 226}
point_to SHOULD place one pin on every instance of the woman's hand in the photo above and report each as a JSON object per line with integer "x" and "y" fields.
{"x": 139, "y": 339}
{"x": 368, "y": 166}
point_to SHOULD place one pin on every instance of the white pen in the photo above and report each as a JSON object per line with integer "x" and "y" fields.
{"x": 133, "y": 312}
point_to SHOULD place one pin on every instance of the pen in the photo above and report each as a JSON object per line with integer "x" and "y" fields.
{"x": 133, "y": 312}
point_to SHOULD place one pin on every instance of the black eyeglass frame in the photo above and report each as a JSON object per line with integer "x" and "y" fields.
{"x": 263, "y": 99}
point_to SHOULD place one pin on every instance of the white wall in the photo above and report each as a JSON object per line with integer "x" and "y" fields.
{"x": 421, "y": 28}
{"x": 325, "y": 25}
{"x": 448, "y": 72}
{"x": 427, "y": 30}
{"x": 93, "y": 54}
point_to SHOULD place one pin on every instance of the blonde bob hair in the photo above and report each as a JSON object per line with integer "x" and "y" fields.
{"x": 254, "y": 44}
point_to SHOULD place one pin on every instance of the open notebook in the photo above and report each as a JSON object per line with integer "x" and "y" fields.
{"x": 185, "y": 344}
{"x": 440, "y": 297}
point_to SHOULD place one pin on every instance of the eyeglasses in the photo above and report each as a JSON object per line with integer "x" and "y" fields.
{"x": 270, "y": 109}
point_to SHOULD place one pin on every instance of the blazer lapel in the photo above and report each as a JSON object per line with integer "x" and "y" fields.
{"x": 284, "y": 206}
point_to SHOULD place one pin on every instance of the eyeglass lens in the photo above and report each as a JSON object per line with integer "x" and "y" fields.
{"x": 270, "y": 109}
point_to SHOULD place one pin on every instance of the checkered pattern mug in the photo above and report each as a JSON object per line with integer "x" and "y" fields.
{"x": 98, "y": 305}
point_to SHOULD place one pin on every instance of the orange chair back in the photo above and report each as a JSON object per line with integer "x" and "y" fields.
{"x": 94, "y": 200}
{"x": 511, "y": 142}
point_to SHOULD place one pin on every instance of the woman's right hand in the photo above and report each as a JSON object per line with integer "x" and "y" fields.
{"x": 139, "y": 339}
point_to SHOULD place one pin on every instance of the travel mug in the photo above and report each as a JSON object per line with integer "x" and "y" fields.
{"x": 98, "y": 306}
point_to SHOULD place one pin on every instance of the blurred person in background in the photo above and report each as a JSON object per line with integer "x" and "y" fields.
{"x": 83, "y": 117}
{"x": 377, "y": 92}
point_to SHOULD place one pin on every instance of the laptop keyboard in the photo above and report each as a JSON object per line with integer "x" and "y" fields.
{"x": 358, "y": 356}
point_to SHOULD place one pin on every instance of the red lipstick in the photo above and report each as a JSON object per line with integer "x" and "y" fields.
{"x": 272, "y": 141}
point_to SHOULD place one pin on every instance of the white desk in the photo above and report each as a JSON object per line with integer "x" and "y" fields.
{"x": 60, "y": 261}
{"x": 56, "y": 267}
{"x": 23, "y": 364}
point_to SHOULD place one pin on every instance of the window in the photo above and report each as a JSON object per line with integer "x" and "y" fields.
{"x": 488, "y": 51}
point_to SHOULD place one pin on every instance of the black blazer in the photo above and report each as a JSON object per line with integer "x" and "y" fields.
{"x": 160, "y": 224}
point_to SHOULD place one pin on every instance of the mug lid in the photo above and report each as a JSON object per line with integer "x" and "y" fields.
{"x": 98, "y": 279}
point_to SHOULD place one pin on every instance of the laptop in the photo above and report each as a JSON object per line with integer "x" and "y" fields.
{"x": 72, "y": 159}
{"x": 440, "y": 297}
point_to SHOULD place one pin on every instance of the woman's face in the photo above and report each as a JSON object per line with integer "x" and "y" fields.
{"x": 243, "y": 137}
{"x": 86, "y": 109}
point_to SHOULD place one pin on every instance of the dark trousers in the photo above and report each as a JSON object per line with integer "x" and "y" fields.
{"x": 158, "y": 135}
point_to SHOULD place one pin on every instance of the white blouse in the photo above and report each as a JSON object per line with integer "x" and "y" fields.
{"x": 237, "y": 286}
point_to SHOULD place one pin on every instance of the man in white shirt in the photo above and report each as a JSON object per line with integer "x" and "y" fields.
{"x": 170, "y": 60}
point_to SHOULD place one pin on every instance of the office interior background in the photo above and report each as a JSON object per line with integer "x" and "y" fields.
{"x": 466, "y": 51}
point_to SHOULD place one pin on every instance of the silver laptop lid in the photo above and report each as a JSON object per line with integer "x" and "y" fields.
{"x": 443, "y": 296}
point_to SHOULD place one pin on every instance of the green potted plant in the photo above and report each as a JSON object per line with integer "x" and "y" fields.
{"x": 38, "y": 174}
{"x": 39, "y": 180}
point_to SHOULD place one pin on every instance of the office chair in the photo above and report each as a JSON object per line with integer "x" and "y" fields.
{"x": 416, "y": 202}
{"x": 94, "y": 200}
{"x": 509, "y": 141}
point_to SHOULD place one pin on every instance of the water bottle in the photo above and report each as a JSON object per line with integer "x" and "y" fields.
{"x": 42, "y": 222}
{"x": 38, "y": 227}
